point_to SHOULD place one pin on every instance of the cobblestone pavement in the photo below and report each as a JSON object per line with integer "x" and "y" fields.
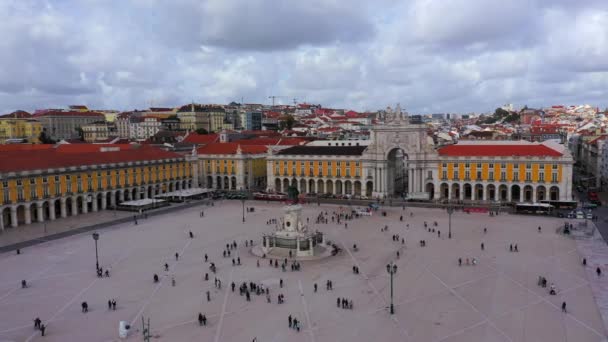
{"x": 435, "y": 299}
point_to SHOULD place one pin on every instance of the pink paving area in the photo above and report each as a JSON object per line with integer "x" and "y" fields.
{"x": 435, "y": 299}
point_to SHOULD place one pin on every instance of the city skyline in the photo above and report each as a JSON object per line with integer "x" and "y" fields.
{"x": 452, "y": 56}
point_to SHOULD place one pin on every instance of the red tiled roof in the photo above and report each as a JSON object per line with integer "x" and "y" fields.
{"x": 78, "y": 155}
{"x": 19, "y": 114}
{"x": 195, "y": 138}
{"x": 262, "y": 133}
{"x": 59, "y": 113}
{"x": 24, "y": 147}
{"x": 498, "y": 150}
{"x": 258, "y": 141}
{"x": 230, "y": 148}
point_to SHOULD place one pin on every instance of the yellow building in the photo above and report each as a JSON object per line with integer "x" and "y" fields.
{"x": 504, "y": 171}
{"x": 334, "y": 170}
{"x": 19, "y": 129}
{"x": 51, "y": 182}
{"x": 230, "y": 166}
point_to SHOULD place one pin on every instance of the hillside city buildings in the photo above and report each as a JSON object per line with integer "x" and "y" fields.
{"x": 97, "y": 159}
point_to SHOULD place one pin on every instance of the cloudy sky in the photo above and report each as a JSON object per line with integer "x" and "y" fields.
{"x": 429, "y": 55}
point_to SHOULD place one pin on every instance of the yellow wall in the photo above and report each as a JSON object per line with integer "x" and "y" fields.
{"x": 20, "y": 128}
{"x": 510, "y": 171}
{"x": 132, "y": 172}
{"x": 329, "y": 168}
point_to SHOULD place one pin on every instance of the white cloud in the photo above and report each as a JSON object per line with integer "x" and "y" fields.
{"x": 430, "y": 55}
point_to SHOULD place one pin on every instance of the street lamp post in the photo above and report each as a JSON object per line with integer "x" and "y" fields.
{"x": 391, "y": 269}
{"x": 243, "y": 202}
{"x": 96, "y": 237}
{"x": 450, "y": 210}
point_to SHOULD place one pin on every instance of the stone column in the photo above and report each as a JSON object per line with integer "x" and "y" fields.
{"x": 137, "y": 194}
{"x": 104, "y": 201}
{"x": 39, "y": 212}
{"x": 449, "y": 191}
{"x": 461, "y": 191}
{"x": 1, "y": 221}
{"x": 121, "y": 196}
{"x": 363, "y": 188}
{"x": 113, "y": 198}
{"x": 95, "y": 203}
{"x": 410, "y": 181}
{"x": 64, "y": 209}
{"x": 533, "y": 195}
{"x": 85, "y": 205}
{"x": 28, "y": 214}
{"x": 485, "y": 193}
{"x": 14, "y": 221}
{"x": 74, "y": 206}
{"x": 52, "y": 210}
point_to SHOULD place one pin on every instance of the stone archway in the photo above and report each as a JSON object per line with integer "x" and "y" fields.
{"x": 302, "y": 187}
{"x": 233, "y": 183}
{"x": 430, "y": 189}
{"x": 397, "y": 159}
{"x": 6, "y": 217}
{"x": 357, "y": 188}
{"x": 541, "y": 193}
{"x": 320, "y": 187}
{"x": 285, "y": 185}
{"x": 554, "y": 193}
{"x": 348, "y": 187}
{"x": 528, "y": 193}
{"x": 218, "y": 182}
{"x": 369, "y": 189}
{"x": 277, "y": 184}
{"x": 338, "y": 187}
{"x": 456, "y": 191}
{"x": 209, "y": 182}
{"x": 330, "y": 187}
{"x": 479, "y": 192}
{"x": 444, "y": 191}
{"x": 468, "y": 191}
{"x": 396, "y": 172}
{"x": 503, "y": 192}
{"x": 491, "y": 192}
{"x": 311, "y": 186}
{"x": 515, "y": 193}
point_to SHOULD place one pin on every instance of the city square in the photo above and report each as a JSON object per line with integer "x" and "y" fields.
{"x": 493, "y": 296}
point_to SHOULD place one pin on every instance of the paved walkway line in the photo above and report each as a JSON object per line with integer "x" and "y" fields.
{"x": 371, "y": 285}
{"x": 595, "y": 251}
{"x": 218, "y": 332}
{"x": 158, "y": 286}
{"x": 306, "y": 313}
{"x": 37, "y": 275}
{"x": 97, "y": 226}
{"x": 71, "y": 301}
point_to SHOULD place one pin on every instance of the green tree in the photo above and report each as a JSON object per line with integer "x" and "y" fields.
{"x": 201, "y": 131}
{"x": 501, "y": 113}
{"x": 288, "y": 122}
{"x": 45, "y": 138}
{"x": 80, "y": 133}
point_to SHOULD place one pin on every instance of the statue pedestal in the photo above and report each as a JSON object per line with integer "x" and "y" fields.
{"x": 292, "y": 235}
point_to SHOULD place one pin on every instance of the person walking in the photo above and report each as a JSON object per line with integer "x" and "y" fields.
{"x": 200, "y": 319}
{"x": 191, "y": 235}
{"x": 289, "y": 319}
{"x": 208, "y": 296}
{"x": 563, "y": 306}
{"x": 176, "y": 256}
{"x": 482, "y": 246}
{"x": 109, "y": 304}
{"x": 598, "y": 271}
{"x": 85, "y": 307}
{"x": 42, "y": 329}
